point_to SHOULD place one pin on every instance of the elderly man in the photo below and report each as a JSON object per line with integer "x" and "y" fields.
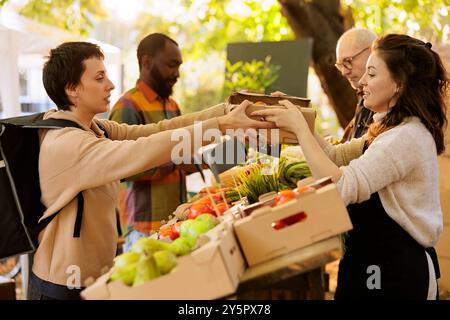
{"x": 352, "y": 52}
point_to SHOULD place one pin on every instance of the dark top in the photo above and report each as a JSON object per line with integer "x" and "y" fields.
{"x": 360, "y": 123}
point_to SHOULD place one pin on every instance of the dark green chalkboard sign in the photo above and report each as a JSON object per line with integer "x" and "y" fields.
{"x": 292, "y": 56}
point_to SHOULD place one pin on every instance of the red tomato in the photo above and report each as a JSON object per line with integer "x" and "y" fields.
{"x": 284, "y": 196}
{"x": 222, "y": 207}
{"x": 169, "y": 231}
{"x": 175, "y": 230}
{"x": 215, "y": 197}
{"x": 197, "y": 209}
{"x": 303, "y": 189}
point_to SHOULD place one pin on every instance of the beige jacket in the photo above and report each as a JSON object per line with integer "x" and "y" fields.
{"x": 73, "y": 160}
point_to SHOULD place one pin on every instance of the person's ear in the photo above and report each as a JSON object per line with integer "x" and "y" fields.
{"x": 146, "y": 61}
{"x": 71, "y": 93}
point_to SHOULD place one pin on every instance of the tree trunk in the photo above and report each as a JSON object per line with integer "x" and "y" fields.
{"x": 322, "y": 21}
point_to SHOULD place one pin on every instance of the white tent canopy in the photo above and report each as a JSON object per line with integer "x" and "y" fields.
{"x": 25, "y": 43}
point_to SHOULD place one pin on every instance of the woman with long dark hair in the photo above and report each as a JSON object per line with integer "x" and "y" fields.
{"x": 389, "y": 177}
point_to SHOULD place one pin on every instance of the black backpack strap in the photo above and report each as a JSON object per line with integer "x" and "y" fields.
{"x": 79, "y": 218}
{"x": 119, "y": 228}
{"x": 52, "y": 124}
{"x": 77, "y": 227}
{"x": 105, "y": 133}
{"x": 55, "y": 124}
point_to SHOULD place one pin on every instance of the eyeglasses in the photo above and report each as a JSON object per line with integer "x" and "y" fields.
{"x": 347, "y": 63}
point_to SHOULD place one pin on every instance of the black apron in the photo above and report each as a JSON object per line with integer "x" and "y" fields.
{"x": 378, "y": 246}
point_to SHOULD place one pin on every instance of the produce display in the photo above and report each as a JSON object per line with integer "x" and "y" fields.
{"x": 150, "y": 258}
{"x": 157, "y": 255}
{"x": 261, "y": 178}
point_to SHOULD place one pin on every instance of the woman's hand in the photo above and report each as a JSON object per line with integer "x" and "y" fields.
{"x": 238, "y": 119}
{"x": 289, "y": 118}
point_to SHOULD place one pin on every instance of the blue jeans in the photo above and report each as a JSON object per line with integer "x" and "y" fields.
{"x": 131, "y": 238}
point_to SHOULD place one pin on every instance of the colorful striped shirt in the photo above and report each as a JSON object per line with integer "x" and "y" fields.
{"x": 149, "y": 197}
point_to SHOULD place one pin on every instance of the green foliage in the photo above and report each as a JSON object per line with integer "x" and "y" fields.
{"x": 425, "y": 19}
{"x": 70, "y": 15}
{"x": 202, "y": 98}
{"x": 204, "y": 28}
{"x": 256, "y": 75}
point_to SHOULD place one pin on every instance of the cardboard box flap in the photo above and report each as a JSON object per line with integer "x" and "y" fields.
{"x": 205, "y": 255}
{"x": 238, "y": 97}
{"x": 316, "y": 184}
{"x": 99, "y": 289}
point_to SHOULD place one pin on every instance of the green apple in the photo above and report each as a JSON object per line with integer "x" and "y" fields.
{"x": 125, "y": 274}
{"x": 185, "y": 227}
{"x": 148, "y": 245}
{"x": 180, "y": 246}
{"x": 126, "y": 259}
{"x": 191, "y": 240}
{"x": 198, "y": 227}
{"x": 146, "y": 270}
{"x": 165, "y": 261}
{"x": 195, "y": 229}
{"x": 210, "y": 219}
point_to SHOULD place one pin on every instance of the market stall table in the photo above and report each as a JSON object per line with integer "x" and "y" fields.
{"x": 296, "y": 275}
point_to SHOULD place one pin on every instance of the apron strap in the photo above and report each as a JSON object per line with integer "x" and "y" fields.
{"x": 432, "y": 252}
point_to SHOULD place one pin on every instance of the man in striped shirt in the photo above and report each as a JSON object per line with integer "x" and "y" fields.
{"x": 149, "y": 197}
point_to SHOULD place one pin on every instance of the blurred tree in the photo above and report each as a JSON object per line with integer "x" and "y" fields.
{"x": 426, "y": 19}
{"x": 204, "y": 27}
{"x": 76, "y": 16}
{"x": 326, "y": 20}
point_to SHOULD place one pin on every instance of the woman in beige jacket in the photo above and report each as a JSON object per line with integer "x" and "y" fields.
{"x": 74, "y": 161}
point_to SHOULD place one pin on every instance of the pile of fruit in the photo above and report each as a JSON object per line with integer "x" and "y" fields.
{"x": 150, "y": 258}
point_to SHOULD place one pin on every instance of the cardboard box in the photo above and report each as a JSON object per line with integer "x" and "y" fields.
{"x": 320, "y": 214}
{"x": 285, "y": 137}
{"x": 210, "y": 272}
{"x": 238, "y": 97}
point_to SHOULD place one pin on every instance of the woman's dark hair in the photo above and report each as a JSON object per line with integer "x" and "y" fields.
{"x": 64, "y": 68}
{"x": 151, "y": 45}
{"x": 423, "y": 84}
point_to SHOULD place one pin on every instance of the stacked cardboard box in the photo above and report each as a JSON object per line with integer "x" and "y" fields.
{"x": 315, "y": 216}
{"x": 210, "y": 272}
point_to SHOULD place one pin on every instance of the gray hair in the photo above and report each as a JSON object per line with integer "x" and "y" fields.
{"x": 360, "y": 36}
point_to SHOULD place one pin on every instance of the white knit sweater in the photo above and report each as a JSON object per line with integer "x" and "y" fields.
{"x": 401, "y": 165}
